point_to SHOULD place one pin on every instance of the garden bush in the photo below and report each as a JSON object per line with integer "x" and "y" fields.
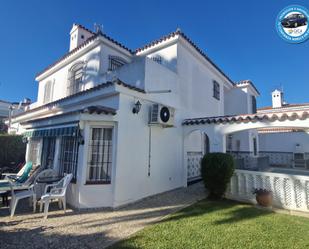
{"x": 12, "y": 150}
{"x": 217, "y": 170}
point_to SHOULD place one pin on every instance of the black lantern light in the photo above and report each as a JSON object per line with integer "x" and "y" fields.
{"x": 137, "y": 107}
{"x": 25, "y": 140}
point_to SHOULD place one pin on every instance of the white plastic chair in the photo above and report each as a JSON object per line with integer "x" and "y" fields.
{"x": 57, "y": 191}
{"x": 30, "y": 192}
{"x": 21, "y": 195}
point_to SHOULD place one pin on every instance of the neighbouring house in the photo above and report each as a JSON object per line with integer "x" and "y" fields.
{"x": 4, "y": 113}
{"x": 286, "y": 147}
{"x": 130, "y": 124}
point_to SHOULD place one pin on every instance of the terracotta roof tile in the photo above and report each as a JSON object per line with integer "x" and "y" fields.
{"x": 283, "y": 107}
{"x": 298, "y": 114}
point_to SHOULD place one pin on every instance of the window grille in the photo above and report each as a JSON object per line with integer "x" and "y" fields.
{"x": 100, "y": 156}
{"x": 216, "y": 90}
{"x": 68, "y": 156}
{"x": 157, "y": 59}
{"x": 115, "y": 62}
{"x": 75, "y": 79}
{"x": 34, "y": 151}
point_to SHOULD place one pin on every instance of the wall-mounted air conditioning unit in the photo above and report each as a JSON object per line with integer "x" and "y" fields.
{"x": 161, "y": 115}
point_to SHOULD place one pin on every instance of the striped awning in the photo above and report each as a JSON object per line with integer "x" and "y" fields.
{"x": 53, "y": 132}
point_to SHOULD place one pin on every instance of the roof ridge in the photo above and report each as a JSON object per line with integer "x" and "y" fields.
{"x": 183, "y": 35}
{"x": 83, "y": 27}
{"x": 91, "y": 38}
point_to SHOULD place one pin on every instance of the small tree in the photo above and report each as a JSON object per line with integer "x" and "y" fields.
{"x": 217, "y": 170}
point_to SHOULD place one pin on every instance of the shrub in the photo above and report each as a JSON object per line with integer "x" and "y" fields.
{"x": 217, "y": 170}
{"x": 12, "y": 150}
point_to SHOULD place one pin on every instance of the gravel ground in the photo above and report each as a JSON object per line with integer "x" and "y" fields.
{"x": 91, "y": 228}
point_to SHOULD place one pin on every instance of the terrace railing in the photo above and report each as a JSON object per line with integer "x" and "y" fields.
{"x": 289, "y": 191}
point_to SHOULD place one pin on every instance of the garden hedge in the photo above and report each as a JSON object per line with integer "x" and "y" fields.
{"x": 217, "y": 170}
{"x": 12, "y": 150}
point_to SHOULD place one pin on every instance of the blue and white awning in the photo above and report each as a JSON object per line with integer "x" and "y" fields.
{"x": 69, "y": 131}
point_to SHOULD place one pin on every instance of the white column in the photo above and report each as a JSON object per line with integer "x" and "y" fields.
{"x": 57, "y": 154}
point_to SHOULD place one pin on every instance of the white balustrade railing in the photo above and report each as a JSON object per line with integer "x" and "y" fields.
{"x": 289, "y": 191}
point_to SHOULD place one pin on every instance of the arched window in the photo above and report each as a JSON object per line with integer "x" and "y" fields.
{"x": 75, "y": 78}
{"x": 48, "y": 91}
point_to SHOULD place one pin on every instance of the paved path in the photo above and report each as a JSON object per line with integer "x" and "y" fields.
{"x": 89, "y": 229}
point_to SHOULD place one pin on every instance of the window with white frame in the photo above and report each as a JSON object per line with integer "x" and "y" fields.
{"x": 255, "y": 152}
{"x": 48, "y": 92}
{"x": 68, "y": 156}
{"x": 216, "y": 90}
{"x": 253, "y": 102}
{"x": 34, "y": 151}
{"x": 75, "y": 78}
{"x": 115, "y": 62}
{"x": 100, "y": 155}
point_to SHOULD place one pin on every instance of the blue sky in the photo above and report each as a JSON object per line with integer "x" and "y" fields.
{"x": 239, "y": 36}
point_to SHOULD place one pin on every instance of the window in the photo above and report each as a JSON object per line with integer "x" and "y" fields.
{"x": 157, "y": 59}
{"x": 253, "y": 102}
{"x": 34, "y": 151}
{"x": 230, "y": 143}
{"x": 115, "y": 62}
{"x": 48, "y": 92}
{"x": 75, "y": 79}
{"x": 68, "y": 156}
{"x": 254, "y": 146}
{"x": 48, "y": 152}
{"x": 100, "y": 156}
{"x": 216, "y": 90}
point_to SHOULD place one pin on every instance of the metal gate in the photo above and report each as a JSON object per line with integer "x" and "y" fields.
{"x": 194, "y": 165}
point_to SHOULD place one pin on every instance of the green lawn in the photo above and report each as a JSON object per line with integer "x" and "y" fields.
{"x": 223, "y": 224}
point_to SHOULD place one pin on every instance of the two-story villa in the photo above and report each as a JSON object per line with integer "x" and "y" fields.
{"x": 113, "y": 117}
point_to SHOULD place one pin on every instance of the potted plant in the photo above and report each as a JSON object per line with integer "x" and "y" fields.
{"x": 263, "y": 197}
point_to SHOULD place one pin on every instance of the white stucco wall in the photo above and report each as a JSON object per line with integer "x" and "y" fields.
{"x": 196, "y": 86}
{"x": 166, "y": 169}
{"x": 95, "y": 71}
{"x": 284, "y": 142}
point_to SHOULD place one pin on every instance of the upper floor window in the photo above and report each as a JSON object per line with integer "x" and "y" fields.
{"x": 48, "y": 92}
{"x": 115, "y": 62}
{"x": 75, "y": 79}
{"x": 157, "y": 59}
{"x": 216, "y": 90}
{"x": 253, "y": 102}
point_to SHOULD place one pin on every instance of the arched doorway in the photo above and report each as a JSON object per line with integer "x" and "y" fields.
{"x": 196, "y": 144}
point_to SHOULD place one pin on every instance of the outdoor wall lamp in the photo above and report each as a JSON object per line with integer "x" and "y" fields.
{"x": 25, "y": 140}
{"x": 137, "y": 107}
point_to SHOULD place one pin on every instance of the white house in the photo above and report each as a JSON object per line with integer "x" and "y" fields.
{"x": 127, "y": 123}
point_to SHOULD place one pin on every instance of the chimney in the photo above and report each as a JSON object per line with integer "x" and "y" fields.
{"x": 78, "y": 35}
{"x": 277, "y": 98}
